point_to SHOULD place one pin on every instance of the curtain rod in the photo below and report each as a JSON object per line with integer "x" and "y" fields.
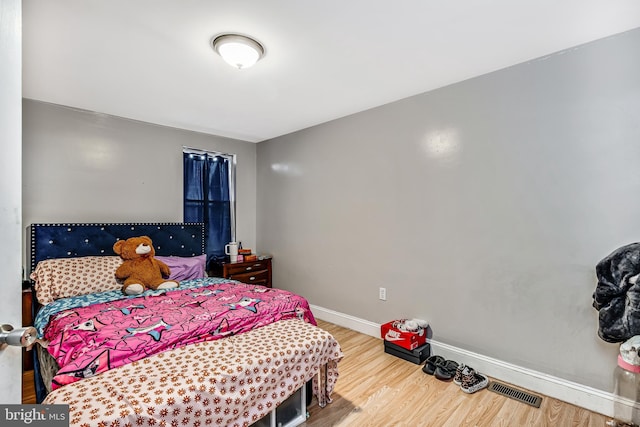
{"x": 201, "y": 151}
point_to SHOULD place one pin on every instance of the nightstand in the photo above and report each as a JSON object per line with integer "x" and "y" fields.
{"x": 27, "y": 320}
{"x": 28, "y": 387}
{"x": 256, "y": 272}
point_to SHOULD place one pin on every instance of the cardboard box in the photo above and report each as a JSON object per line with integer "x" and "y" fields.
{"x": 392, "y": 332}
{"x": 417, "y": 355}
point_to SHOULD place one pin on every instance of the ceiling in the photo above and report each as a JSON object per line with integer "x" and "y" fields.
{"x": 151, "y": 60}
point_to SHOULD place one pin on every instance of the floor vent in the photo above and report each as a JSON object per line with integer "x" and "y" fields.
{"x": 516, "y": 394}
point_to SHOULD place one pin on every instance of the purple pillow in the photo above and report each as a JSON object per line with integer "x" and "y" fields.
{"x": 185, "y": 268}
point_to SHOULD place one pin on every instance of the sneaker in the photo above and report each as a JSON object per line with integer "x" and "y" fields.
{"x": 462, "y": 369}
{"x": 473, "y": 381}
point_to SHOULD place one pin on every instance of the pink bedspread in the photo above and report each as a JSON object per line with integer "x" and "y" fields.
{"x": 230, "y": 382}
{"x": 88, "y": 340}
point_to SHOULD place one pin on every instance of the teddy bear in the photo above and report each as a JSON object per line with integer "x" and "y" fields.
{"x": 139, "y": 269}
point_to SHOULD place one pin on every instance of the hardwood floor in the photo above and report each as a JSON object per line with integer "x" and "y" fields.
{"x": 377, "y": 389}
{"x": 380, "y": 390}
{"x": 28, "y": 389}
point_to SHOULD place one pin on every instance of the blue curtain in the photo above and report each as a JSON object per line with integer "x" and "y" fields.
{"x": 207, "y": 199}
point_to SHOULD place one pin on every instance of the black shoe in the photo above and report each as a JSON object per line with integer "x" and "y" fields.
{"x": 431, "y": 364}
{"x": 446, "y": 370}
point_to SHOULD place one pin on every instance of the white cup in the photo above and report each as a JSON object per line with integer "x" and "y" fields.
{"x": 231, "y": 249}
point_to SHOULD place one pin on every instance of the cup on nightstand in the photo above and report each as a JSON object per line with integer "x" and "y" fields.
{"x": 231, "y": 249}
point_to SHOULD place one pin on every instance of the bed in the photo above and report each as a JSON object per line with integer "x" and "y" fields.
{"x": 211, "y": 352}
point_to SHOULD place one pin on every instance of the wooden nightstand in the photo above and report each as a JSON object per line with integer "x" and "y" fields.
{"x": 28, "y": 387}
{"x": 256, "y": 272}
{"x": 27, "y": 320}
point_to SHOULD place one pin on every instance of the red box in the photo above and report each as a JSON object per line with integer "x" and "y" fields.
{"x": 394, "y": 332}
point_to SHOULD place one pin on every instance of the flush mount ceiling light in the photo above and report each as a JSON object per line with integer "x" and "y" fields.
{"x": 237, "y": 50}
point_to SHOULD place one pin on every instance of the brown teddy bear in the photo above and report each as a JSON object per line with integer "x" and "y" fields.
{"x": 140, "y": 270}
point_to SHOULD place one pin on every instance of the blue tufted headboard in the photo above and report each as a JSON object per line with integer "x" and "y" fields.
{"x": 49, "y": 241}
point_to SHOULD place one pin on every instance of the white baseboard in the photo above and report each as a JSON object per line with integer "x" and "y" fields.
{"x": 590, "y": 398}
{"x": 346, "y": 321}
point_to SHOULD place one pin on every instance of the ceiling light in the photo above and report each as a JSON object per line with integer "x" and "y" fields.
{"x": 238, "y": 50}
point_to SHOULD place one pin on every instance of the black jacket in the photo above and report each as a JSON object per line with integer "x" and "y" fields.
{"x": 617, "y": 295}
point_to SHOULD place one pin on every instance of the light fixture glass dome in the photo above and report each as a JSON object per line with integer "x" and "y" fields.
{"x": 237, "y": 50}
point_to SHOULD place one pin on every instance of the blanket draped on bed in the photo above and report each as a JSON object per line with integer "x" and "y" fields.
{"x": 617, "y": 295}
{"x": 91, "y": 339}
{"x": 229, "y": 382}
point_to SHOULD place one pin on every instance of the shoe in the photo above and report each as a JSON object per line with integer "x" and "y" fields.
{"x": 462, "y": 369}
{"x": 446, "y": 370}
{"x": 431, "y": 364}
{"x": 473, "y": 381}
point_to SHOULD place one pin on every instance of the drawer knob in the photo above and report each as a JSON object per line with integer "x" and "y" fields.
{"x": 252, "y": 278}
{"x": 248, "y": 268}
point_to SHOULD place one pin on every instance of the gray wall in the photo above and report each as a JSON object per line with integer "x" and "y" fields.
{"x": 82, "y": 166}
{"x": 482, "y": 207}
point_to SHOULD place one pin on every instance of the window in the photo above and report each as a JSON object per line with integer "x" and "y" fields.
{"x": 209, "y": 197}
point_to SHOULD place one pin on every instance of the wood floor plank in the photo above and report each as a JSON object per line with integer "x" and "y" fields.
{"x": 380, "y": 390}
{"x": 28, "y": 388}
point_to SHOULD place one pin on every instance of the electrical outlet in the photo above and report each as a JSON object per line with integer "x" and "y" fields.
{"x": 383, "y": 294}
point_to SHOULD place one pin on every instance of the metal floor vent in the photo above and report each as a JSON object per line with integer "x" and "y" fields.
{"x": 516, "y": 394}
